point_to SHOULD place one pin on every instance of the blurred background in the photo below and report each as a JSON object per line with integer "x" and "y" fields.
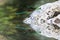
{"x": 12, "y": 14}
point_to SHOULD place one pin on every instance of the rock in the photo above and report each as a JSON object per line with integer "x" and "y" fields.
{"x": 45, "y": 20}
